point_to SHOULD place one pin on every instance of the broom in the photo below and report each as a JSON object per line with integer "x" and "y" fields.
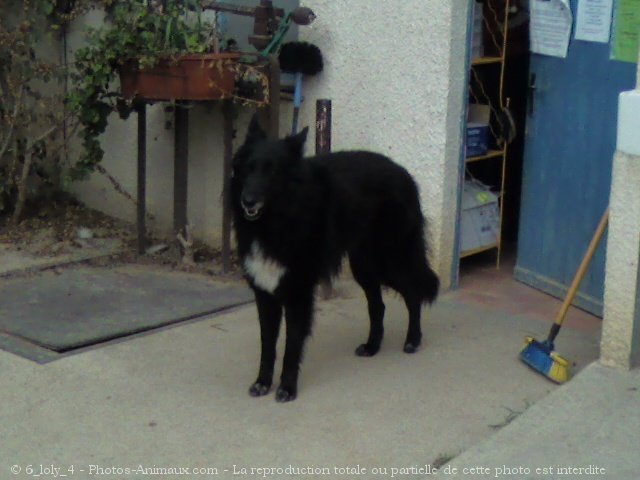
{"x": 541, "y": 356}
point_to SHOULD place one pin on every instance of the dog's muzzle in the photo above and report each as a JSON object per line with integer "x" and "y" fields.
{"x": 252, "y": 211}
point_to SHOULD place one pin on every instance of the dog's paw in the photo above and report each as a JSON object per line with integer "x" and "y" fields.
{"x": 259, "y": 389}
{"x": 410, "y": 347}
{"x": 366, "y": 350}
{"x": 285, "y": 394}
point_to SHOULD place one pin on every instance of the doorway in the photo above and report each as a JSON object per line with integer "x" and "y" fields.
{"x": 558, "y": 171}
{"x": 486, "y": 84}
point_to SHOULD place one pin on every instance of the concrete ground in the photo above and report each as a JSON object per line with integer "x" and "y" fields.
{"x": 16, "y": 262}
{"x": 589, "y": 428}
{"x": 167, "y": 403}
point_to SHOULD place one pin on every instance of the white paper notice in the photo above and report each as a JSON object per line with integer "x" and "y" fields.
{"x": 550, "y": 27}
{"x": 593, "y": 20}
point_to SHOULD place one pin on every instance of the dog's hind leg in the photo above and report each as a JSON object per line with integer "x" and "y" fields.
{"x": 413, "y": 301}
{"x": 417, "y": 283}
{"x": 420, "y": 287}
{"x": 270, "y": 315}
{"x": 298, "y": 318}
{"x": 367, "y": 280}
{"x": 376, "y": 328}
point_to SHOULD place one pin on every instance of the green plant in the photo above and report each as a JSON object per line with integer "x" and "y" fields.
{"x": 33, "y": 120}
{"x": 132, "y": 30}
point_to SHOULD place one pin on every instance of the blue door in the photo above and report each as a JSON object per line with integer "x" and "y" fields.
{"x": 569, "y": 147}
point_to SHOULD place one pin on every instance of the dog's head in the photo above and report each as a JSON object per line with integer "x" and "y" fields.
{"x": 262, "y": 166}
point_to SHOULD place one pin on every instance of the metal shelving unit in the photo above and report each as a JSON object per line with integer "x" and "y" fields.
{"x": 495, "y": 20}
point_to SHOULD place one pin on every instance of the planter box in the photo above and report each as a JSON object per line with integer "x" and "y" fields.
{"x": 189, "y": 77}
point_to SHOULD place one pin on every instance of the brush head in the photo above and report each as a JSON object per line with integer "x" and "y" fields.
{"x": 541, "y": 358}
{"x": 300, "y": 57}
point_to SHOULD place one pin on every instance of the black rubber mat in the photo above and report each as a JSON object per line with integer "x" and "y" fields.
{"x": 83, "y": 306}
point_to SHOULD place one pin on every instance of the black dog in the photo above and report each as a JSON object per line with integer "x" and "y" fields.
{"x": 296, "y": 218}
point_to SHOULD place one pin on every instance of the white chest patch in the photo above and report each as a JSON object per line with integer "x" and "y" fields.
{"x": 265, "y": 272}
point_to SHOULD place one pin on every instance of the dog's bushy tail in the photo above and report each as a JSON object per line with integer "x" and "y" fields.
{"x": 429, "y": 283}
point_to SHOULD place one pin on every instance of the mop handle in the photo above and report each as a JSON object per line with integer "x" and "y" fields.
{"x": 582, "y": 269}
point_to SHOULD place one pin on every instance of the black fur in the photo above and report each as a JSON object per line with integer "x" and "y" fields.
{"x": 300, "y": 57}
{"x": 307, "y": 214}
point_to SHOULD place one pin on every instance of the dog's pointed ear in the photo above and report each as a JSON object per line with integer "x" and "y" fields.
{"x": 296, "y": 142}
{"x": 255, "y": 131}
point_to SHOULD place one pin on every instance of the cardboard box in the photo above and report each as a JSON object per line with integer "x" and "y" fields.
{"x": 480, "y": 219}
{"x": 477, "y": 138}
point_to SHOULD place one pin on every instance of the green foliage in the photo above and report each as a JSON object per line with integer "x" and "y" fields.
{"x": 32, "y": 114}
{"x": 132, "y": 30}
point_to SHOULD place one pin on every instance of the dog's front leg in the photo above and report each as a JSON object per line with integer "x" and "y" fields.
{"x": 298, "y": 317}
{"x": 270, "y": 315}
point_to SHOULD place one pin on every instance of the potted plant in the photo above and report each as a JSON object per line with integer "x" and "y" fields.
{"x": 158, "y": 52}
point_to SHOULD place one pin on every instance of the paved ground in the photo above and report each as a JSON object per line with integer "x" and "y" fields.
{"x": 16, "y": 262}
{"x": 164, "y": 404}
{"x": 589, "y": 428}
{"x": 178, "y": 398}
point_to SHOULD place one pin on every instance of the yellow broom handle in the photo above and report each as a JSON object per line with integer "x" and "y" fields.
{"x": 571, "y": 293}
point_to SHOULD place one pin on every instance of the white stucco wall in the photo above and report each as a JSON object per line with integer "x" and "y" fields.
{"x": 620, "y": 344}
{"x": 621, "y": 326}
{"x": 205, "y": 171}
{"x": 205, "y": 161}
{"x": 395, "y": 72}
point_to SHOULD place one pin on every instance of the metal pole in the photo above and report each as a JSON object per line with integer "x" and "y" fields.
{"x": 142, "y": 174}
{"x": 323, "y": 126}
{"x": 227, "y": 111}
{"x": 274, "y": 96}
{"x": 180, "y": 168}
{"x": 323, "y": 145}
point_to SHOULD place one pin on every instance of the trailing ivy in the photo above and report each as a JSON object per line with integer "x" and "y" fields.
{"x": 132, "y": 30}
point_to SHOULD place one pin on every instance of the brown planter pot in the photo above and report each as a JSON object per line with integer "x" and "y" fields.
{"x": 190, "y": 77}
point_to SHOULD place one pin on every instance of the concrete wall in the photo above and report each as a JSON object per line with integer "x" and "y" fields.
{"x": 395, "y": 72}
{"x": 620, "y": 345}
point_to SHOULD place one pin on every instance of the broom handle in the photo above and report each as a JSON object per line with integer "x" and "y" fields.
{"x": 577, "y": 279}
{"x": 297, "y": 100}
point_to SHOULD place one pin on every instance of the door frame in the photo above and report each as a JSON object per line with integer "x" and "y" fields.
{"x": 455, "y": 264}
